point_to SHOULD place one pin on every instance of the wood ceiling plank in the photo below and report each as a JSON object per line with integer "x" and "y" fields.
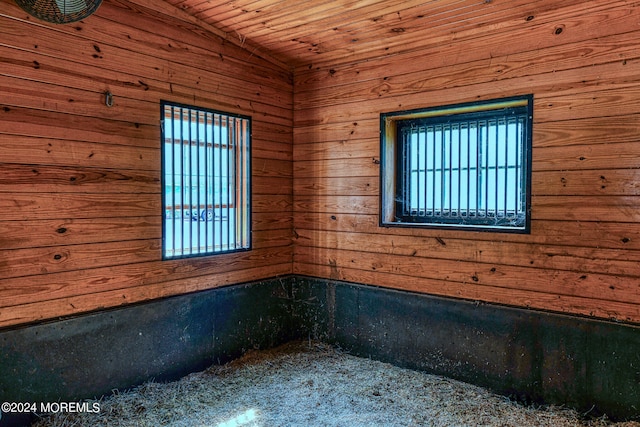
{"x": 169, "y": 12}
{"x": 311, "y": 14}
{"x": 321, "y": 31}
{"x": 414, "y": 22}
{"x": 433, "y": 35}
{"x": 363, "y": 16}
{"x": 375, "y": 28}
{"x": 234, "y": 17}
{"x": 389, "y": 30}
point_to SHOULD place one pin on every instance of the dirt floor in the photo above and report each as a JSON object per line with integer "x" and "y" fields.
{"x": 313, "y": 384}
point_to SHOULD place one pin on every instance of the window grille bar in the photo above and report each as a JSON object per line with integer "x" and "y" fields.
{"x": 242, "y": 176}
{"x": 190, "y": 154}
{"x": 495, "y": 143}
{"x": 247, "y": 173}
{"x": 177, "y": 174}
{"x": 479, "y": 185}
{"x": 189, "y": 166}
{"x": 202, "y": 181}
{"x": 179, "y": 156}
{"x": 525, "y": 165}
{"x": 518, "y": 178}
{"x": 231, "y": 199}
{"x": 192, "y": 198}
{"x": 408, "y": 195}
{"x": 241, "y": 195}
{"x": 449, "y": 173}
{"x": 228, "y": 152}
{"x": 182, "y": 180}
{"x": 506, "y": 168}
{"x": 232, "y": 202}
{"x": 174, "y": 160}
{"x": 433, "y": 131}
{"x": 443, "y": 171}
{"x": 459, "y": 172}
{"x": 485, "y": 141}
{"x": 230, "y": 144}
{"x": 234, "y": 189}
{"x": 406, "y": 160}
{"x": 194, "y": 148}
{"x": 421, "y": 186}
{"x": 246, "y": 168}
{"x": 223, "y": 170}
{"x": 441, "y": 161}
{"x": 410, "y": 161}
{"x": 238, "y": 187}
{"x": 212, "y": 180}
{"x": 205, "y": 138}
{"x": 186, "y": 158}
{"x": 418, "y": 160}
{"x": 468, "y": 169}
{"x": 201, "y": 145}
{"x": 220, "y": 183}
{"x": 422, "y": 140}
{"x": 224, "y": 205}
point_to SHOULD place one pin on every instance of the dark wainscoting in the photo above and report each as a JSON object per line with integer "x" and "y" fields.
{"x": 533, "y": 356}
{"x": 591, "y": 365}
{"x": 90, "y": 355}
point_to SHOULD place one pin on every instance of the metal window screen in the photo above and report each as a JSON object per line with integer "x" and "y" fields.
{"x": 206, "y": 173}
{"x": 467, "y": 169}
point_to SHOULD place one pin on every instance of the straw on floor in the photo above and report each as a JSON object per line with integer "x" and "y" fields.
{"x": 313, "y": 384}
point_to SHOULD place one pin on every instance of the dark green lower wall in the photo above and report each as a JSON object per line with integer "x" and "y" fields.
{"x": 90, "y": 355}
{"x": 534, "y": 356}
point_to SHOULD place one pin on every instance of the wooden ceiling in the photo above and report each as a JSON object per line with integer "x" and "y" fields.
{"x": 304, "y": 32}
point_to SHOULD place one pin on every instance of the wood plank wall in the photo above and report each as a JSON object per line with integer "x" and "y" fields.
{"x": 582, "y": 64}
{"x": 80, "y": 195}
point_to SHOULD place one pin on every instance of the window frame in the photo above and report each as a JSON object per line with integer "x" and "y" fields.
{"x": 241, "y": 164}
{"x": 391, "y": 185}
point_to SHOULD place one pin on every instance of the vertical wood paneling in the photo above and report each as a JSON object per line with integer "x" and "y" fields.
{"x": 80, "y": 195}
{"x": 582, "y": 64}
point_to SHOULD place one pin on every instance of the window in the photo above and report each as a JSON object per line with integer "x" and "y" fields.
{"x": 205, "y": 176}
{"x": 463, "y": 166}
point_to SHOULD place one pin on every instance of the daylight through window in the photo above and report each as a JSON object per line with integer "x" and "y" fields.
{"x": 206, "y": 174}
{"x": 463, "y": 166}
